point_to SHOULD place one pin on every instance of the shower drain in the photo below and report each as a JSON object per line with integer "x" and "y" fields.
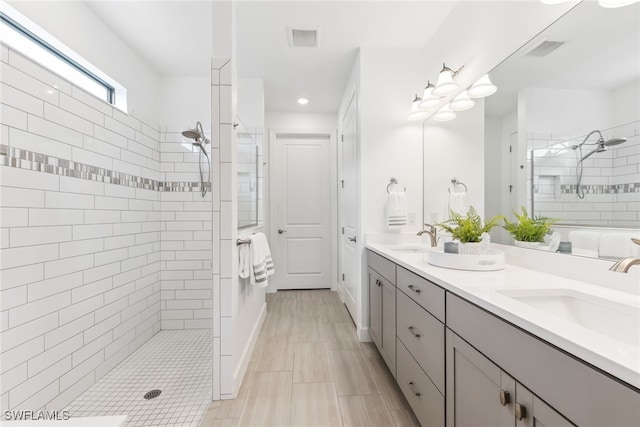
{"x": 152, "y": 394}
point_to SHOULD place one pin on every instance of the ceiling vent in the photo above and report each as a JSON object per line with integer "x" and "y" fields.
{"x": 304, "y": 37}
{"x": 543, "y": 48}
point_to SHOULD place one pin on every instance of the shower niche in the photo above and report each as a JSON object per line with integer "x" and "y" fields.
{"x": 249, "y": 176}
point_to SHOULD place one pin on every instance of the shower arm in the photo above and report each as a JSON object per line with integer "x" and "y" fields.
{"x": 584, "y": 142}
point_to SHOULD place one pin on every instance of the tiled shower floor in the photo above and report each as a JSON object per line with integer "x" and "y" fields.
{"x": 176, "y": 362}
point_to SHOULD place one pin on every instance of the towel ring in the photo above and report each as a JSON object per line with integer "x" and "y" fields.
{"x": 393, "y": 181}
{"x": 455, "y": 181}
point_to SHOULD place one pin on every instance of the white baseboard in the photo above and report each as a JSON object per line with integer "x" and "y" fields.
{"x": 238, "y": 375}
{"x": 363, "y": 335}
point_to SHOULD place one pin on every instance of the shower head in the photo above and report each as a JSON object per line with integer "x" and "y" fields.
{"x": 196, "y": 134}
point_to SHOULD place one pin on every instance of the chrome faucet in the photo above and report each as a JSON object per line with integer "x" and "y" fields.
{"x": 432, "y": 234}
{"x": 625, "y": 264}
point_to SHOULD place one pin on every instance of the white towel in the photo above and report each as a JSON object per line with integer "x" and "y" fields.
{"x": 589, "y": 240}
{"x": 244, "y": 262}
{"x": 458, "y": 202}
{"x": 261, "y": 262}
{"x": 396, "y": 210}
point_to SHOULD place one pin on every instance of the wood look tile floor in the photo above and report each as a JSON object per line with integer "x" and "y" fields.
{"x": 308, "y": 369}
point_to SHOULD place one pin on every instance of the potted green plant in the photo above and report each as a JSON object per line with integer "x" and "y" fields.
{"x": 529, "y": 232}
{"x": 469, "y": 230}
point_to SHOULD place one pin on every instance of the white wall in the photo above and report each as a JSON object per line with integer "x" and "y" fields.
{"x": 76, "y": 25}
{"x": 565, "y": 111}
{"x": 183, "y": 101}
{"x": 625, "y": 107}
{"x": 297, "y": 121}
{"x": 454, "y": 149}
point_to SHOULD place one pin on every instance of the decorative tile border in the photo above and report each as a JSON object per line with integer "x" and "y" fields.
{"x": 25, "y": 159}
{"x": 633, "y": 187}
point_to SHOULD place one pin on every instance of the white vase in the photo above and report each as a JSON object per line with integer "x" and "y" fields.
{"x": 527, "y": 245}
{"x": 472, "y": 248}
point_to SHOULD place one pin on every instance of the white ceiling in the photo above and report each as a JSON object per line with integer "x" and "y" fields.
{"x": 174, "y": 37}
{"x": 320, "y": 74}
{"x": 601, "y": 52}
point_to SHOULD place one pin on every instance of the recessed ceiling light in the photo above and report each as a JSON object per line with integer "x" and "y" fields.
{"x": 303, "y": 101}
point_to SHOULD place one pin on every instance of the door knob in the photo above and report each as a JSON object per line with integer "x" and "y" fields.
{"x": 352, "y": 239}
{"x": 280, "y": 231}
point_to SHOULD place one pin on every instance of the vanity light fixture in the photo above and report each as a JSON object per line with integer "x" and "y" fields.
{"x": 462, "y": 102}
{"x": 616, "y": 3}
{"x": 445, "y": 84}
{"x": 482, "y": 88}
{"x": 303, "y": 101}
{"x": 429, "y": 100}
{"x": 416, "y": 113}
{"x": 444, "y": 114}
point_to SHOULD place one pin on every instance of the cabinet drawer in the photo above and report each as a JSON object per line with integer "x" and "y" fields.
{"x": 425, "y": 399}
{"x": 423, "y": 335}
{"x": 422, "y": 291}
{"x": 386, "y": 268}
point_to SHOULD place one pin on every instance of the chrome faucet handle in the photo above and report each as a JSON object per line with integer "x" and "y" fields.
{"x": 636, "y": 241}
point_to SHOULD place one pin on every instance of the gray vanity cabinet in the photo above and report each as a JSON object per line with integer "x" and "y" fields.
{"x": 533, "y": 412}
{"x": 375, "y": 307}
{"x": 478, "y": 392}
{"x": 382, "y": 307}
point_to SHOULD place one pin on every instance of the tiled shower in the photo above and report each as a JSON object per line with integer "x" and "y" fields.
{"x": 611, "y": 180}
{"x": 105, "y": 237}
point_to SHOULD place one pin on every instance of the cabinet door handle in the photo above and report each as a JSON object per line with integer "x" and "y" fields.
{"x": 413, "y": 332}
{"x": 505, "y": 397}
{"x": 414, "y": 289}
{"x": 378, "y": 282}
{"x": 410, "y": 384}
{"x": 353, "y": 239}
{"x": 521, "y": 412}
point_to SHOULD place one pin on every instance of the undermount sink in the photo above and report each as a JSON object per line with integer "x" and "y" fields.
{"x": 410, "y": 247}
{"x": 613, "y": 319}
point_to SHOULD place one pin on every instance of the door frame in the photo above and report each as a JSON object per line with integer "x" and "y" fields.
{"x": 270, "y": 188}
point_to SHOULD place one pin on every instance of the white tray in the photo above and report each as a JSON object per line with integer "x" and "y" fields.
{"x": 491, "y": 261}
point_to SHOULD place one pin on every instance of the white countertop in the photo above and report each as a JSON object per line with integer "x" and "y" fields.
{"x": 622, "y": 360}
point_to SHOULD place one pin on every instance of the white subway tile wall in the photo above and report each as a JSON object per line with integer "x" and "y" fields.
{"x": 611, "y": 179}
{"x": 84, "y": 265}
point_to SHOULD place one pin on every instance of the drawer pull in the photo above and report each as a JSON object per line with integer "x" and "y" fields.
{"x": 505, "y": 397}
{"x": 378, "y": 282}
{"x": 414, "y": 289}
{"x": 417, "y": 393}
{"x": 412, "y": 330}
{"x": 521, "y": 412}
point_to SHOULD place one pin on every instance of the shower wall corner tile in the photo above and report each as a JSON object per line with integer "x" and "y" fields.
{"x": 226, "y": 75}
{"x": 227, "y": 382}
{"x": 226, "y": 105}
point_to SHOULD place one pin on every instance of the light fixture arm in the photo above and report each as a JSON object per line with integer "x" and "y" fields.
{"x": 453, "y": 73}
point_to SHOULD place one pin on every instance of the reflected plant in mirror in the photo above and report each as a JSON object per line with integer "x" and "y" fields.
{"x": 529, "y": 230}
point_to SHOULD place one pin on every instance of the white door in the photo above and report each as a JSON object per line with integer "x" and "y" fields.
{"x": 302, "y": 249}
{"x": 349, "y": 210}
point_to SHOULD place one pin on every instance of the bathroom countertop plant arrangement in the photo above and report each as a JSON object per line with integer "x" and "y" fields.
{"x": 470, "y": 231}
{"x": 527, "y": 231}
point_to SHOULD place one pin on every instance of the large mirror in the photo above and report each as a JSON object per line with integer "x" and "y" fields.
{"x": 557, "y": 96}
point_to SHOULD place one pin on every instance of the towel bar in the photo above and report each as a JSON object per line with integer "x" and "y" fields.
{"x": 393, "y": 181}
{"x": 455, "y": 181}
{"x": 242, "y": 242}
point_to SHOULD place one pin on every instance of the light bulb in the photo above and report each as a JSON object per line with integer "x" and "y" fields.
{"x": 445, "y": 84}
{"x": 482, "y": 87}
{"x": 416, "y": 113}
{"x": 429, "y": 100}
{"x": 445, "y": 114}
{"x": 462, "y": 102}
